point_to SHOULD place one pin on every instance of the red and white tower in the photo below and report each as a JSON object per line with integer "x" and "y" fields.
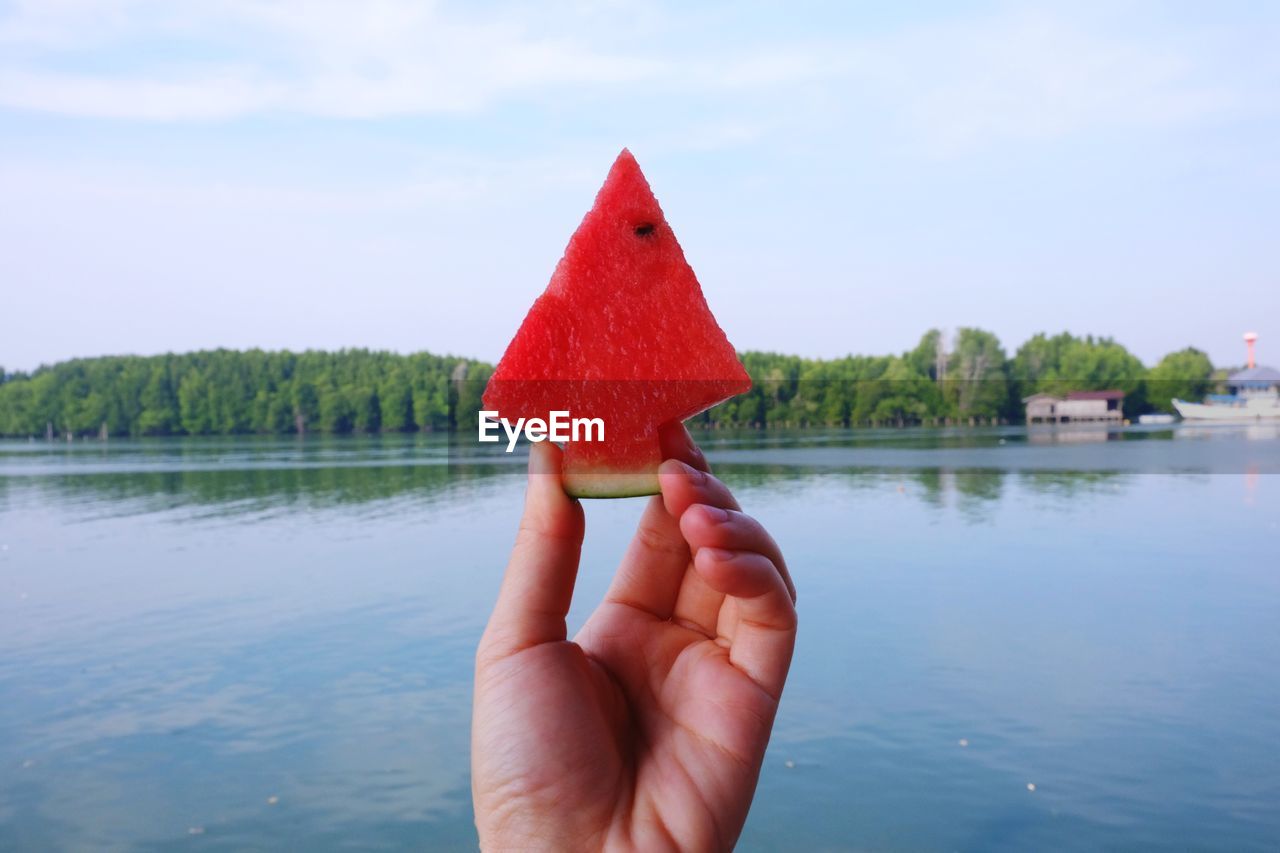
{"x": 1249, "y": 339}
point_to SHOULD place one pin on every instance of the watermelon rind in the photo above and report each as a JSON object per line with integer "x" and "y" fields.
{"x": 596, "y": 483}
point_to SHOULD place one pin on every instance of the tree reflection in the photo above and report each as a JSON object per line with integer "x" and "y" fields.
{"x": 244, "y": 477}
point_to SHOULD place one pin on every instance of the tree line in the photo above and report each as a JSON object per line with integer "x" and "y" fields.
{"x": 967, "y": 379}
{"x": 228, "y": 392}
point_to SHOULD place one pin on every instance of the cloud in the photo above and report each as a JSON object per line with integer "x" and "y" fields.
{"x": 949, "y": 86}
{"x": 333, "y": 59}
{"x": 213, "y": 94}
{"x": 1034, "y": 76}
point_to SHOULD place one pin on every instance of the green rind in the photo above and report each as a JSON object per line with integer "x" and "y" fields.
{"x": 611, "y": 484}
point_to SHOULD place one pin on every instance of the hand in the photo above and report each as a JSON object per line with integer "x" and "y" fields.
{"x": 647, "y": 730}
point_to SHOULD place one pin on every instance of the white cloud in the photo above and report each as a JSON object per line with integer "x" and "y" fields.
{"x": 377, "y": 58}
{"x": 953, "y": 85}
{"x": 1035, "y": 76}
{"x": 214, "y": 94}
{"x": 67, "y": 24}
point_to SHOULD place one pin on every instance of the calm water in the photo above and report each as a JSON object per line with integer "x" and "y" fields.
{"x": 267, "y": 644}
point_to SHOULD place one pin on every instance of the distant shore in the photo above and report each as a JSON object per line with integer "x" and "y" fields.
{"x": 967, "y": 381}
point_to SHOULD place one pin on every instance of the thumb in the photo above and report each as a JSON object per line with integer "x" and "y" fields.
{"x": 538, "y": 585}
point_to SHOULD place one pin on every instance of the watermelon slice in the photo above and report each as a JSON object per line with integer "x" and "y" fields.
{"x": 622, "y": 333}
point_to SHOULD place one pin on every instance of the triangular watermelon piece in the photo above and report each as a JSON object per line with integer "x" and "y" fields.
{"x": 622, "y": 333}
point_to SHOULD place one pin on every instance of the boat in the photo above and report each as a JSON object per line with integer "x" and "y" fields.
{"x": 1232, "y": 408}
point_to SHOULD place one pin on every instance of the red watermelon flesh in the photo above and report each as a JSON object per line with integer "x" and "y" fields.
{"x": 621, "y": 333}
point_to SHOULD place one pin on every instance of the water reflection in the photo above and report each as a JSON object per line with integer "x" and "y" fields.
{"x": 1231, "y": 432}
{"x": 254, "y": 486}
{"x": 254, "y": 490}
{"x": 968, "y": 470}
{"x": 1073, "y": 434}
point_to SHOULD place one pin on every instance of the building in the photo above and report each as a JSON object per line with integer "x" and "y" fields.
{"x": 1041, "y": 408}
{"x": 1254, "y": 380}
{"x": 1075, "y": 407}
{"x": 1255, "y": 395}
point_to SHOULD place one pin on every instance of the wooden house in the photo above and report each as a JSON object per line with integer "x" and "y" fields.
{"x": 1041, "y": 408}
{"x": 1075, "y": 407}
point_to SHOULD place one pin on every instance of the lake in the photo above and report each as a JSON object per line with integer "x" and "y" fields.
{"x": 1009, "y": 640}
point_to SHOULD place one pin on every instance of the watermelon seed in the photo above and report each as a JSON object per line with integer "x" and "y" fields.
{"x": 644, "y": 230}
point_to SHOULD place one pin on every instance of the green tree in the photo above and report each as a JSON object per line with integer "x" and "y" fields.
{"x": 929, "y": 358}
{"x": 1103, "y": 364}
{"x": 225, "y": 392}
{"x": 367, "y": 408}
{"x": 395, "y": 396}
{"x": 468, "y": 381}
{"x": 1184, "y": 375}
{"x": 1065, "y": 363}
{"x": 306, "y": 406}
{"x": 279, "y": 416}
{"x": 160, "y": 414}
{"x": 901, "y": 395}
{"x": 1037, "y": 364}
{"x": 977, "y": 385}
{"x": 193, "y": 404}
{"x": 431, "y": 404}
{"x": 337, "y": 412}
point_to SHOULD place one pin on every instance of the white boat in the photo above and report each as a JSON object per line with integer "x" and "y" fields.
{"x": 1253, "y": 409}
{"x": 1255, "y": 397}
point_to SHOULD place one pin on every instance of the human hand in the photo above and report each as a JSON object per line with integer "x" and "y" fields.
{"x": 647, "y": 731}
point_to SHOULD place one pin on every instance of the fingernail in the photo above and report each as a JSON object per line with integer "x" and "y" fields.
{"x": 541, "y": 460}
{"x": 715, "y": 513}
{"x": 679, "y": 466}
{"x": 718, "y": 554}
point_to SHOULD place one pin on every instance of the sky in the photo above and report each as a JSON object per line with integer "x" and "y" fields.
{"x": 404, "y": 175}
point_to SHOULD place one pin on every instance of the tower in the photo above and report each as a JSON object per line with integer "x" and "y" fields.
{"x": 1249, "y": 338}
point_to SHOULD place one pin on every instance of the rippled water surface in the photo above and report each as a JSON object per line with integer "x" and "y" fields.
{"x": 1008, "y": 641}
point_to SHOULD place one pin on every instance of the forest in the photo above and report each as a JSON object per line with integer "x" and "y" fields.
{"x": 967, "y": 378}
